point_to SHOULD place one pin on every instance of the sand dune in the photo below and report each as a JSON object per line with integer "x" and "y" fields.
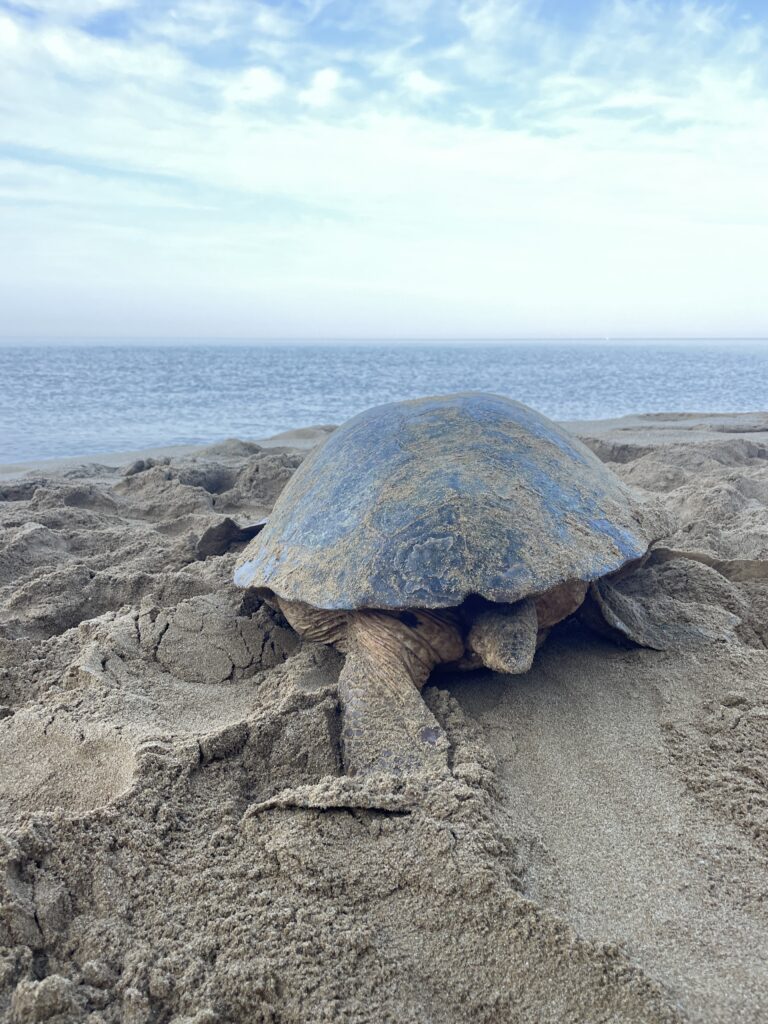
{"x": 601, "y": 853}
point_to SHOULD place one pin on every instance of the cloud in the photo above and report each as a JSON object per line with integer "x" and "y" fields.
{"x": 9, "y": 33}
{"x": 487, "y": 20}
{"x": 465, "y": 168}
{"x": 706, "y": 19}
{"x": 74, "y": 9}
{"x": 272, "y": 23}
{"x": 256, "y": 85}
{"x": 57, "y": 54}
{"x": 322, "y": 89}
{"x": 421, "y": 85}
{"x": 192, "y": 23}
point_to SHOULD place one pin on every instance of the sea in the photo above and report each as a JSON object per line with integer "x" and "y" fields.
{"x": 81, "y": 399}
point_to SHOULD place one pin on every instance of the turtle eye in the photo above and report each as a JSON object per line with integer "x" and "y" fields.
{"x": 409, "y": 619}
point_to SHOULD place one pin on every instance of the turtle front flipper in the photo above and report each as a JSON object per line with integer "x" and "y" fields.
{"x": 386, "y": 726}
{"x": 676, "y": 604}
{"x": 504, "y": 636}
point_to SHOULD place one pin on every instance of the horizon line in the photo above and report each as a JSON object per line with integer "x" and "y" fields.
{"x": 401, "y": 339}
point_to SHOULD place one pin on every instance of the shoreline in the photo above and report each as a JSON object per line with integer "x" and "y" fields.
{"x": 635, "y": 429}
{"x": 301, "y": 438}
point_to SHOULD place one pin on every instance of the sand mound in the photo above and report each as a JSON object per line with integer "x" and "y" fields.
{"x": 178, "y": 844}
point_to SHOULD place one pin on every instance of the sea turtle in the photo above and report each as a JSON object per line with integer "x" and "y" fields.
{"x": 455, "y": 529}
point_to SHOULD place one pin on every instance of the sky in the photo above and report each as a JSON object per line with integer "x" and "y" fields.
{"x": 383, "y": 168}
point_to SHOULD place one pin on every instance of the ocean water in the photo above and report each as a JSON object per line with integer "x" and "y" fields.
{"x": 58, "y": 400}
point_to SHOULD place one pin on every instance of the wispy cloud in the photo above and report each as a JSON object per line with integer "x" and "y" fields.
{"x": 71, "y": 9}
{"x": 273, "y": 22}
{"x": 325, "y": 167}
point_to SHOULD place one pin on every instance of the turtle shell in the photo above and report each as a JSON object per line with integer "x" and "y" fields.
{"x": 419, "y": 504}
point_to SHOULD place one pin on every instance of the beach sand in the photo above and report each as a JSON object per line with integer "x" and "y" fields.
{"x": 600, "y": 855}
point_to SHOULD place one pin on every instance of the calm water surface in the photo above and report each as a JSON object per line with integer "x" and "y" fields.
{"x": 60, "y": 400}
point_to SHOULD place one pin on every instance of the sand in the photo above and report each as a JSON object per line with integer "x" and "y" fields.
{"x": 600, "y": 853}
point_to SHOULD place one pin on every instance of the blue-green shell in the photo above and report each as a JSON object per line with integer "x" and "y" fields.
{"x": 418, "y": 504}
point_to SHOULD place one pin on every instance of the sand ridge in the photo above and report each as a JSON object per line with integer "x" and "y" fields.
{"x": 600, "y": 854}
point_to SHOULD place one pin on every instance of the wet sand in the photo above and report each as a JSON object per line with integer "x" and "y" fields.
{"x": 600, "y": 854}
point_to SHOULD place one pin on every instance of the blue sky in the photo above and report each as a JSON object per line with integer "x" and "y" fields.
{"x": 404, "y": 168}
